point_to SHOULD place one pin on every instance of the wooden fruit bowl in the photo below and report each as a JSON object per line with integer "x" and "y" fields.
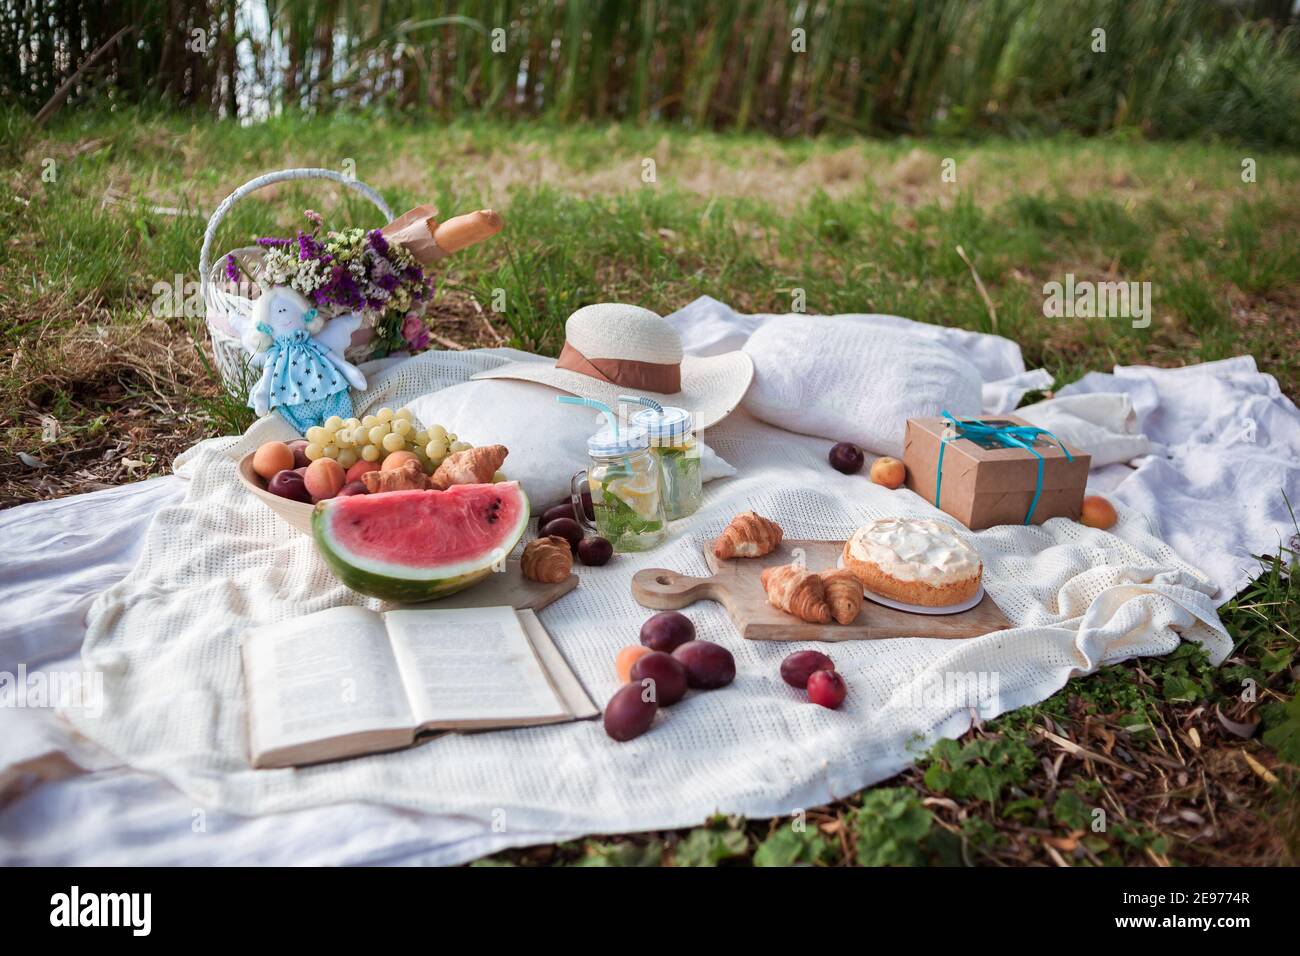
{"x": 296, "y": 513}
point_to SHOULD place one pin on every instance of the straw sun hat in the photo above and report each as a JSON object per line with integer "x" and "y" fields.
{"x": 612, "y": 349}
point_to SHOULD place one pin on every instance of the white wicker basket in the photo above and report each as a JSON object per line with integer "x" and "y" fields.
{"x": 226, "y": 309}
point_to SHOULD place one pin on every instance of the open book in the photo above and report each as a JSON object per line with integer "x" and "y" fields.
{"x": 350, "y": 681}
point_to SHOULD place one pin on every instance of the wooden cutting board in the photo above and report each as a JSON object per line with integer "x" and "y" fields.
{"x": 510, "y": 587}
{"x": 735, "y": 585}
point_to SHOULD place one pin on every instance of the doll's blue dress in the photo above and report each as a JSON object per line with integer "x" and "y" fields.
{"x": 306, "y": 387}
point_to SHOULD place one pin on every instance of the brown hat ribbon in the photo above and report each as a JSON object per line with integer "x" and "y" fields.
{"x": 626, "y": 373}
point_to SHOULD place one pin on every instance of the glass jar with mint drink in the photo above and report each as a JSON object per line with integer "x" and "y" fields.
{"x": 672, "y": 441}
{"x": 626, "y": 497}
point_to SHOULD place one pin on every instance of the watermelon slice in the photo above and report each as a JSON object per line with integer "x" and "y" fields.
{"x": 412, "y": 546}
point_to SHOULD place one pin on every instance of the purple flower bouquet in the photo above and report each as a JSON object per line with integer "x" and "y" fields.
{"x": 352, "y": 270}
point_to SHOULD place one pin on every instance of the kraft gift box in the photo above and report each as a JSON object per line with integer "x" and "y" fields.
{"x": 984, "y": 482}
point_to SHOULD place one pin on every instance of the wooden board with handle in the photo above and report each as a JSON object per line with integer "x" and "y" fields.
{"x": 735, "y": 585}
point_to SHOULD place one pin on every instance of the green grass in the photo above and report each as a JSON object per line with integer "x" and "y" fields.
{"x": 852, "y": 225}
{"x": 857, "y": 225}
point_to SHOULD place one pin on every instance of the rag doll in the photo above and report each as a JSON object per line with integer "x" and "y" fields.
{"x": 304, "y": 375}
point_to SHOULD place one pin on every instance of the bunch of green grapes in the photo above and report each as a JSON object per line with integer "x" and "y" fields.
{"x": 377, "y": 436}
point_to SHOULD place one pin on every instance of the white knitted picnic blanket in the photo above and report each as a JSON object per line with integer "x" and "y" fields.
{"x": 166, "y": 639}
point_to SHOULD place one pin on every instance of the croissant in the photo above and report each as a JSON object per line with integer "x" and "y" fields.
{"x": 407, "y": 478}
{"x": 473, "y": 466}
{"x": 749, "y": 535}
{"x": 843, "y": 593}
{"x": 797, "y": 591}
{"x": 547, "y": 560}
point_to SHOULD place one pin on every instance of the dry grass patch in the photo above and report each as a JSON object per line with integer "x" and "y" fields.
{"x": 93, "y": 404}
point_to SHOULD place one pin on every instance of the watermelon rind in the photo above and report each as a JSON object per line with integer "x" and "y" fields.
{"x": 404, "y": 584}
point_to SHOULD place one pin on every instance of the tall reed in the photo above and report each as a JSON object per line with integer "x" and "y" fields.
{"x": 790, "y": 67}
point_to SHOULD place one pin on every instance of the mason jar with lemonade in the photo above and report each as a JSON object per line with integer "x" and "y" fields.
{"x": 623, "y": 478}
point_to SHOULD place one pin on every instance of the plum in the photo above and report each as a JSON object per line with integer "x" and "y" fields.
{"x": 565, "y": 528}
{"x": 799, "y": 666}
{"x": 708, "y": 665}
{"x": 846, "y": 457}
{"x": 595, "y": 551}
{"x": 352, "y": 488}
{"x": 556, "y": 512}
{"x": 667, "y": 676}
{"x": 666, "y": 631}
{"x": 629, "y": 713}
{"x": 289, "y": 484}
{"x": 827, "y": 688}
{"x": 299, "y": 448}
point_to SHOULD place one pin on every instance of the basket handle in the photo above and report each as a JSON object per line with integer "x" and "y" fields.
{"x": 283, "y": 175}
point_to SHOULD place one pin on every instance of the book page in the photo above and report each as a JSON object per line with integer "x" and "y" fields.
{"x": 470, "y": 665}
{"x": 320, "y": 676}
{"x": 563, "y": 679}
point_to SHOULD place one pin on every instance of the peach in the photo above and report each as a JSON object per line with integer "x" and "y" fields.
{"x": 626, "y": 658}
{"x": 887, "y": 471}
{"x": 362, "y": 467}
{"x": 1097, "y": 512}
{"x": 397, "y": 459}
{"x": 323, "y": 478}
{"x": 272, "y": 457}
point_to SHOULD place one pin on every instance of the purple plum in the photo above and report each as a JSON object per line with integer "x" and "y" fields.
{"x": 289, "y": 484}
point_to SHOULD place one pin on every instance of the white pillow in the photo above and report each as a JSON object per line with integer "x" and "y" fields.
{"x": 547, "y": 440}
{"x": 838, "y": 379}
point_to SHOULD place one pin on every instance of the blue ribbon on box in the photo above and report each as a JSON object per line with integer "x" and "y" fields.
{"x": 1008, "y": 436}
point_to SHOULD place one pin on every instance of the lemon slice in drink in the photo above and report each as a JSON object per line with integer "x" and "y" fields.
{"x": 638, "y": 492}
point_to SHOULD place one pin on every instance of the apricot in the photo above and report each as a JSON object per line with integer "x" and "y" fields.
{"x": 626, "y": 658}
{"x": 1097, "y": 512}
{"x": 889, "y": 472}
{"x": 323, "y": 478}
{"x": 397, "y": 459}
{"x": 272, "y": 458}
{"x": 360, "y": 468}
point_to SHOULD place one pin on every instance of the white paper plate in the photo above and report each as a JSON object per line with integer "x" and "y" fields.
{"x": 921, "y": 608}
